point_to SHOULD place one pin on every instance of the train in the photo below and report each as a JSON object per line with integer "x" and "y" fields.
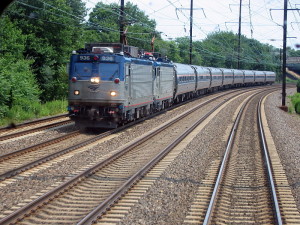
{"x": 111, "y": 84}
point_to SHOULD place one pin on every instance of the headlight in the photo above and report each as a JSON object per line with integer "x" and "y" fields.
{"x": 76, "y": 92}
{"x": 113, "y": 93}
{"x": 95, "y": 80}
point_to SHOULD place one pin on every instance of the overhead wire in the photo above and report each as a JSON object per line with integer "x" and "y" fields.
{"x": 105, "y": 28}
{"x": 188, "y": 18}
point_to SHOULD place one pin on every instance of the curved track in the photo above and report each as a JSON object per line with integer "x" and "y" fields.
{"x": 86, "y": 197}
{"x": 73, "y": 200}
{"x": 243, "y": 187}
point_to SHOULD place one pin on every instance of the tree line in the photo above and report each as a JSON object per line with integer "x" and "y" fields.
{"x": 37, "y": 37}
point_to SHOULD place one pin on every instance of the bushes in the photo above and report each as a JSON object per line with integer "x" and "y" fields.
{"x": 298, "y": 86}
{"x": 17, "y": 84}
{"x": 295, "y": 99}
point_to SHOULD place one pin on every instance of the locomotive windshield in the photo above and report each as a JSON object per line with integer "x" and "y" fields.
{"x": 83, "y": 70}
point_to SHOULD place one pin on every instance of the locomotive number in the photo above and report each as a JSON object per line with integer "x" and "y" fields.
{"x": 84, "y": 58}
{"x": 107, "y": 58}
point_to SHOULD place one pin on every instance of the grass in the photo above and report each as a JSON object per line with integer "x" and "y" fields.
{"x": 34, "y": 110}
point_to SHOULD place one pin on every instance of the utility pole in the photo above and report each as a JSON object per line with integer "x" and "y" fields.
{"x": 284, "y": 56}
{"x": 285, "y": 10}
{"x": 240, "y": 28}
{"x": 122, "y": 22}
{"x": 191, "y": 31}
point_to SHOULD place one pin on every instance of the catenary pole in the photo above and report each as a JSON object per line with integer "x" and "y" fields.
{"x": 122, "y": 22}
{"x": 284, "y": 55}
{"x": 240, "y": 30}
{"x": 191, "y": 31}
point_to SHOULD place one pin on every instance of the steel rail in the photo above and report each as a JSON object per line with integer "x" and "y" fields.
{"x": 230, "y": 141}
{"x": 102, "y": 208}
{"x": 32, "y": 206}
{"x": 64, "y": 151}
{"x": 113, "y": 198}
{"x": 2, "y": 129}
{"x": 37, "y": 203}
{"x": 268, "y": 165}
{"x": 21, "y": 133}
{"x": 37, "y": 146}
{"x": 53, "y": 155}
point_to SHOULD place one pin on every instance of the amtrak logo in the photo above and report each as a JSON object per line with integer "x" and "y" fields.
{"x": 93, "y": 88}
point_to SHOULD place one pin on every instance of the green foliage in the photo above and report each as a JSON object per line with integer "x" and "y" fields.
{"x": 11, "y": 39}
{"x": 298, "y": 86}
{"x": 53, "y": 28}
{"x": 220, "y": 49}
{"x": 291, "y": 81}
{"x": 293, "y": 52}
{"x": 104, "y": 19}
{"x": 298, "y": 83}
{"x": 17, "y": 82}
{"x": 18, "y": 85}
{"x": 295, "y": 100}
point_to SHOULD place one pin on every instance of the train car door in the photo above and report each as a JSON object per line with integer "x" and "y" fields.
{"x": 127, "y": 81}
{"x": 156, "y": 82}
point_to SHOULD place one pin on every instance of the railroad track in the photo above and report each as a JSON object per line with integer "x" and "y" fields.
{"x": 34, "y": 126}
{"x": 240, "y": 188}
{"x": 22, "y": 160}
{"x": 113, "y": 209}
{"x": 70, "y": 202}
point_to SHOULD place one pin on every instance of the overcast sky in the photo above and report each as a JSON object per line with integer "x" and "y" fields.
{"x": 258, "y": 21}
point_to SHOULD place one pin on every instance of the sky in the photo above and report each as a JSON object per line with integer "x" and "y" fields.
{"x": 261, "y": 19}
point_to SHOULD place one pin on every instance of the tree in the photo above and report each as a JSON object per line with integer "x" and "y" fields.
{"x": 219, "y": 50}
{"x": 17, "y": 82}
{"x": 53, "y": 29}
{"x": 104, "y": 19}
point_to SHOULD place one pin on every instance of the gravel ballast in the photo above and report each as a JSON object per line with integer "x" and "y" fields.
{"x": 177, "y": 186}
{"x": 285, "y": 129}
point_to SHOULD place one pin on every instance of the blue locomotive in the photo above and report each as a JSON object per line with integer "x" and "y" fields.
{"x": 111, "y": 84}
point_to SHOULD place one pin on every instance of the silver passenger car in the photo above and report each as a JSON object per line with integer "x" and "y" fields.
{"x": 227, "y": 77}
{"x": 216, "y": 77}
{"x": 249, "y": 77}
{"x": 203, "y": 78}
{"x": 238, "y": 78}
{"x": 260, "y": 77}
{"x": 270, "y": 77}
{"x": 185, "y": 81}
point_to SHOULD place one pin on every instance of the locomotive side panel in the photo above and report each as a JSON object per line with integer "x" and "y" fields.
{"x": 141, "y": 78}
